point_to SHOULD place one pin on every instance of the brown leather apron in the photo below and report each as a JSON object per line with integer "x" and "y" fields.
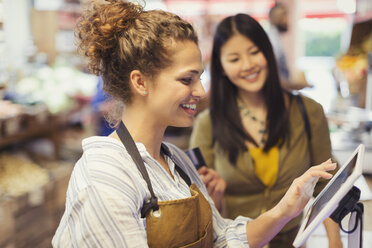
{"x": 177, "y": 223}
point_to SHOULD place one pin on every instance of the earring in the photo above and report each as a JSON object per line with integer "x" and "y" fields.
{"x": 145, "y": 92}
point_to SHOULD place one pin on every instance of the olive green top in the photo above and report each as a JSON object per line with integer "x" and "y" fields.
{"x": 246, "y": 194}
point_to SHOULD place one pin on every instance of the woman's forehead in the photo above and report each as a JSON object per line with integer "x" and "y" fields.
{"x": 186, "y": 56}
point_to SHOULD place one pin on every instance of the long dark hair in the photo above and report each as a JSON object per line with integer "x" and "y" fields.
{"x": 227, "y": 127}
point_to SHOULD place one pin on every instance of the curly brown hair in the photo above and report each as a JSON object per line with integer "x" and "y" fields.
{"x": 118, "y": 37}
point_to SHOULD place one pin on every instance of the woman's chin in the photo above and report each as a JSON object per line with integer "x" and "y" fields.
{"x": 185, "y": 123}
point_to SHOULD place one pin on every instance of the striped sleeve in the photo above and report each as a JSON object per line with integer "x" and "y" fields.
{"x": 103, "y": 212}
{"x": 94, "y": 223}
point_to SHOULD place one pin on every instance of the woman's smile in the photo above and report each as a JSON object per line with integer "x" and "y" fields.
{"x": 189, "y": 108}
{"x": 252, "y": 77}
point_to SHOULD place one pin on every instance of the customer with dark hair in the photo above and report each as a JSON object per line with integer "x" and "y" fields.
{"x": 254, "y": 134}
{"x": 130, "y": 189}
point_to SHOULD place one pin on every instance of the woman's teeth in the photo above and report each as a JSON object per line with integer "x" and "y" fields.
{"x": 189, "y": 106}
{"x": 251, "y": 76}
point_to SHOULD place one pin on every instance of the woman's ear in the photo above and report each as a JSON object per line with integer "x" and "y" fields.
{"x": 138, "y": 82}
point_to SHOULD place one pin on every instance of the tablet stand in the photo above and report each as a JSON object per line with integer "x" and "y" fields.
{"x": 350, "y": 204}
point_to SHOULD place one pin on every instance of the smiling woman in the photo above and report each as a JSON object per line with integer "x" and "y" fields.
{"x": 244, "y": 64}
{"x": 175, "y": 91}
{"x": 253, "y": 133}
{"x": 130, "y": 189}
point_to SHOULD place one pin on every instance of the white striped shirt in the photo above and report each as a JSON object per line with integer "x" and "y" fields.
{"x": 106, "y": 193}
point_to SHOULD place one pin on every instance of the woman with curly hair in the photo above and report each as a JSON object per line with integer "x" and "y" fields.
{"x": 130, "y": 189}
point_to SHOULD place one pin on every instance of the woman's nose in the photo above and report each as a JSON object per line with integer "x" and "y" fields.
{"x": 198, "y": 90}
{"x": 246, "y": 63}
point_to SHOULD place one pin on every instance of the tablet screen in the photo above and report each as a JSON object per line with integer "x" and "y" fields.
{"x": 332, "y": 189}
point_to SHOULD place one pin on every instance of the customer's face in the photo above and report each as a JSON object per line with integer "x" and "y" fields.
{"x": 176, "y": 89}
{"x": 244, "y": 64}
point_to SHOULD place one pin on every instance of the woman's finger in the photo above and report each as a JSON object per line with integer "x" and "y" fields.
{"x": 212, "y": 187}
{"x": 220, "y": 188}
{"x": 207, "y": 178}
{"x": 203, "y": 170}
{"x": 326, "y": 166}
{"x": 212, "y": 184}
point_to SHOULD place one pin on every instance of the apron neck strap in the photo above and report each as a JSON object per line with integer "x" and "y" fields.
{"x": 185, "y": 177}
{"x": 131, "y": 147}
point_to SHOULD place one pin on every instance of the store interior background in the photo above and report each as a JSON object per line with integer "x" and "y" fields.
{"x": 48, "y": 100}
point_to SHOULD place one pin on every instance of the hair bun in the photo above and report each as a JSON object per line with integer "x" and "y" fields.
{"x": 100, "y": 27}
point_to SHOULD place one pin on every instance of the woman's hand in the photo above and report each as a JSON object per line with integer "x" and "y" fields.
{"x": 261, "y": 230}
{"x": 214, "y": 183}
{"x": 302, "y": 188}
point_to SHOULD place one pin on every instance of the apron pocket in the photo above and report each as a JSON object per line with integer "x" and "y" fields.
{"x": 205, "y": 241}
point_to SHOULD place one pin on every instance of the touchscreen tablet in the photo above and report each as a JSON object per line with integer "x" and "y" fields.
{"x": 327, "y": 200}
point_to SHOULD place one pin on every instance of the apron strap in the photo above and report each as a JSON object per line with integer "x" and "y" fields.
{"x": 185, "y": 177}
{"x": 131, "y": 147}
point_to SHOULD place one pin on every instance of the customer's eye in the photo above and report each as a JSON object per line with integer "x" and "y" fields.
{"x": 233, "y": 60}
{"x": 255, "y": 51}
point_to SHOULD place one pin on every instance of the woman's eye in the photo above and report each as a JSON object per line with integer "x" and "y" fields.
{"x": 255, "y": 51}
{"x": 233, "y": 60}
{"x": 186, "y": 80}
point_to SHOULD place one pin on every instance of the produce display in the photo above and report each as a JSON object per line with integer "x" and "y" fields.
{"x": 19, "y": 175}
{"x": 49, "y": 92}
{"x": 42, "y": 96}
{"x": 55, "y": 86}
